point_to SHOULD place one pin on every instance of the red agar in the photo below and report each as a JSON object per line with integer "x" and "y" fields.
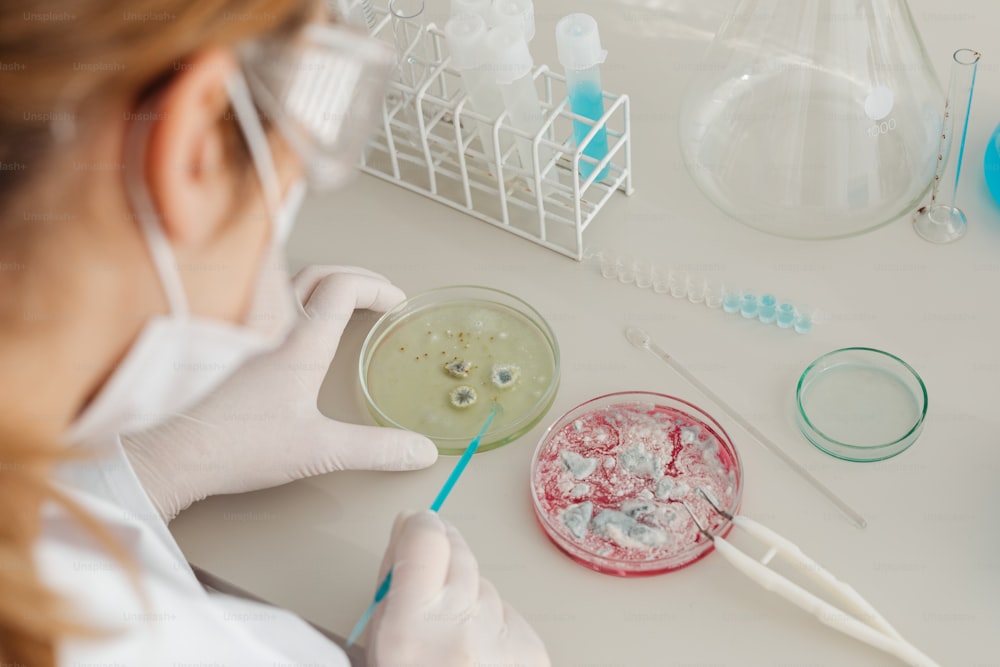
{"x": 634, "y": 462}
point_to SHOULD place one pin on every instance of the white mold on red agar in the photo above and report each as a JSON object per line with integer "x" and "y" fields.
{"x": 639, "y": 455}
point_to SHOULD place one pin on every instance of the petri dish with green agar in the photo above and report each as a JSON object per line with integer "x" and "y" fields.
{"x": 435, "y": 363}
{"x": 861, "y": 404}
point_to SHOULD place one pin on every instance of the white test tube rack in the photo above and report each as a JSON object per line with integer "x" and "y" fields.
{"x": 429, "y": 143}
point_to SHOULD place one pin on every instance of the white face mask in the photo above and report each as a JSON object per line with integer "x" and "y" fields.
{"x": 179, "y": 358}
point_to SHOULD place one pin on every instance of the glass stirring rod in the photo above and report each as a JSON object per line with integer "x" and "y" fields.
{"x": 449, "y": 484}
{"x": 641, "y": 340}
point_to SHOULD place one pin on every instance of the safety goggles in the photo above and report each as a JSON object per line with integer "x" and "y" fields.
{"x": 323, "y": 88}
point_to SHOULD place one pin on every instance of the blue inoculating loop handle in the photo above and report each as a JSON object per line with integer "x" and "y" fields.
{"x": 382, "y": 591}
{"x": 449, "y": 484}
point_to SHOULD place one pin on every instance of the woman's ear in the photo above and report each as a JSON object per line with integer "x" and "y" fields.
{"x": 189, "y": 177}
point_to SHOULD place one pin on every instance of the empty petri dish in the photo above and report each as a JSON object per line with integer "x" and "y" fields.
{"x": 861, "y": 404}
{"x": 609, "y": 476}
{"x": 435, "y": 363}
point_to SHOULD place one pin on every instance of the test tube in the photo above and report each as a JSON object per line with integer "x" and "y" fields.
{"x": 408, "y": 38}
{"x": 941, "y": 221}
{"x": 511, "y": 64}
{"x": 466, "y": 34}
{"x": 518, "y": 13}
{"x": 483, "y": 8}
{"x": 579, "y": 46}
{"x": 407, "y": 34}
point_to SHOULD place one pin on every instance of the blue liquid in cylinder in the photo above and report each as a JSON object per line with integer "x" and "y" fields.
{"x": 991, "y": 164}
{"x": 585, "y": 100}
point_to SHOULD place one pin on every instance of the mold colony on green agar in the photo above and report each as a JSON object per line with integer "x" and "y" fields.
{"x": 439, "y": 369}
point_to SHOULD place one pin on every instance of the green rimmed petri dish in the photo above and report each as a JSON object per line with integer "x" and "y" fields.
{"x": 861, "y": 404}
{"x": 435, "y": 363}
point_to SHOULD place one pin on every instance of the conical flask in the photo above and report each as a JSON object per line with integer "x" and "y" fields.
{"x": 814, "y": 119}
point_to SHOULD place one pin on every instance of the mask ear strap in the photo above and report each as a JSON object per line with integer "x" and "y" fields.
{"x": 149, "y": 219}
{"x": 260, "y": 148}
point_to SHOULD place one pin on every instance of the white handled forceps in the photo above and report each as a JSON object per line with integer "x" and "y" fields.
{"x": 858, "y": 618}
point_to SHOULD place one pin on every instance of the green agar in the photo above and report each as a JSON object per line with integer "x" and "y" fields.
{"x": 405, "y": 378}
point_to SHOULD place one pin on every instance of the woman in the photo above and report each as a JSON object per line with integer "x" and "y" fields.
{"x": 145, "y": 189}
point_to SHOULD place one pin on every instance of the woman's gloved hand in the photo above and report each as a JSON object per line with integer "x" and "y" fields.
{"x": 261, "y": 427}
{"x": 438, "y": 610}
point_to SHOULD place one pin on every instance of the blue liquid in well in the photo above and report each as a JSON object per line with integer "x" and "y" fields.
{"x": 585, "y": 100}
{"x": 991, "y": 164}
{"x": 786, "y": 315}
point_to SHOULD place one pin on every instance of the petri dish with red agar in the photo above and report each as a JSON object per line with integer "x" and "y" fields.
{"x": 609, "y": 477}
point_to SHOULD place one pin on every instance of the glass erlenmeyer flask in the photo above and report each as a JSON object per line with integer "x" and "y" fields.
{"x": 814, "y": 119}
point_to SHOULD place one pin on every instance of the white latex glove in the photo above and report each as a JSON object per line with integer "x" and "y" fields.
{"x": 439, "y": 612}
{"x": 261, "y": 427}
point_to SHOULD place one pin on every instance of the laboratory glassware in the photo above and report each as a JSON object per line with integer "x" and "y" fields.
{"x": 412, "y": 61}
{"x": 642, "y": 340}
{"x": 680, "y": 284}
{"x": 861, "y": 404}
{"x": 578, "y": 43}
{"x": 519, "y": 13}
{"x": 618, "y": 455}
{"x": 483, "y": 8}
{"x": 466, "y": 34}
{"x": 407, "y": 32}
{"x": 941, "y": 221}
{"x": 511, "y": 64}
{"x": 452, "y": 338}
{"x": 991, "y": 164}
{"x": 813, "y": 119}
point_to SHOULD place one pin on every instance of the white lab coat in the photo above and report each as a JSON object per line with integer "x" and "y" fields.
{"x": 179, "y": 623}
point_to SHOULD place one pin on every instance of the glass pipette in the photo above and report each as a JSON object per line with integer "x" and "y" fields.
{"x": 642, "y": 340}
{"x": 449, "y": 484}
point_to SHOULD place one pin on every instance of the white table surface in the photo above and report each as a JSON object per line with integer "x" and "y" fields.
{"x": 929, "y": 558}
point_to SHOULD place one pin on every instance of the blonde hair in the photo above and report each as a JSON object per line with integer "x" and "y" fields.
{"x": 60, "y": 64}
{"x": 64, "y": 62}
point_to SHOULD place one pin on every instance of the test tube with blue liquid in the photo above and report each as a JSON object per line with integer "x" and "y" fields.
{"x": 579, "y": 46}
